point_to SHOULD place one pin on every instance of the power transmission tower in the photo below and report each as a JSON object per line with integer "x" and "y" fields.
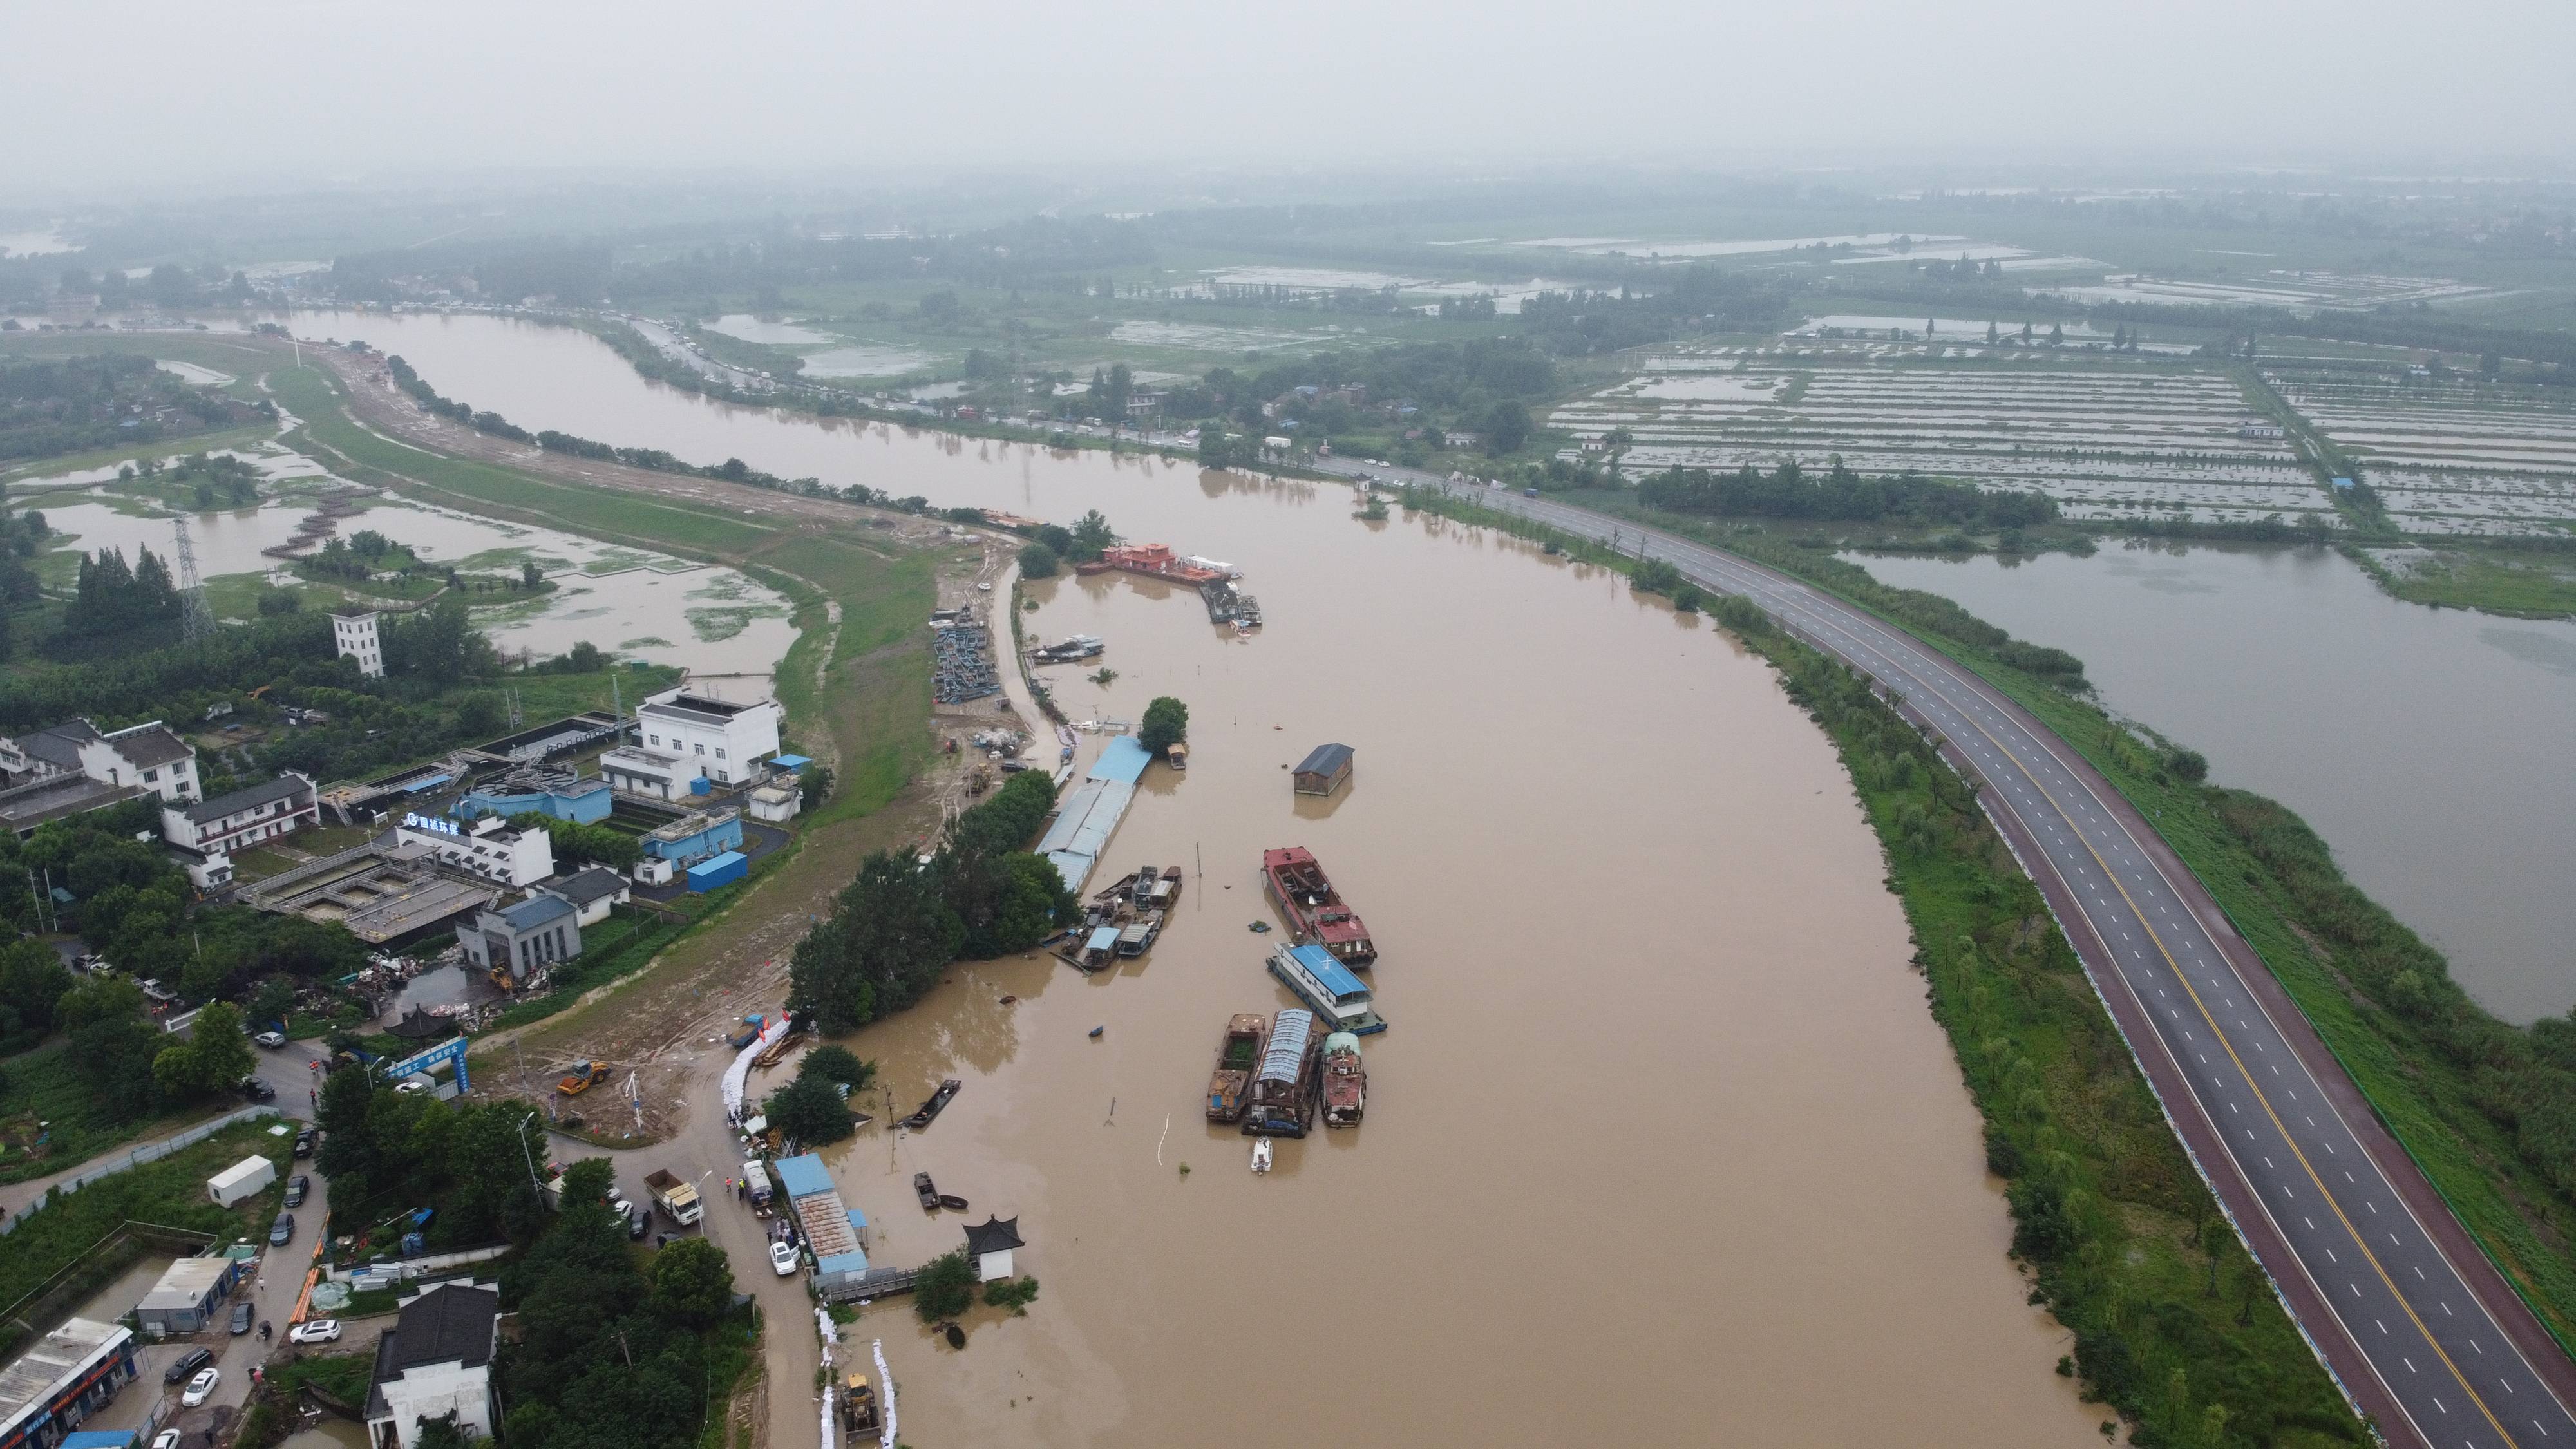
{"x": 194, "y": 621}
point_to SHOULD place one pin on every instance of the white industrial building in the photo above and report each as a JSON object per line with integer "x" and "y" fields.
{"x": 489, "y": 847}
{"x": 357, "y": 633}
{"x": 717, "y": 739}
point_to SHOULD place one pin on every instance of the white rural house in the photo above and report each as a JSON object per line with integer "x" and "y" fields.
{"x": 151, "y": 756}
{"x": 591, "y": 892}
{"x": 436, "y": 1361}
{"x": 720, "y": 740}
{"x": 359, "y": 636}
{"x": 231, "y": 823}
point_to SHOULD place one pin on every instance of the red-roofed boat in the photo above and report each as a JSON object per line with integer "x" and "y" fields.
{"x": 1315, "y": 911}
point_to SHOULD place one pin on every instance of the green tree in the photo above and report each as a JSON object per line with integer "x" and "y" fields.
{"x": 1037, "y": 561}
{"x": 1507, "y": 427}
{"x": 810, "y": 1111}
{"x": 32, "y": 983}
{"x": 1015, "y": 1294}
{"x": 273, "y": 1002}
{"x": 813, "y": 786}
{"x": 945, "y": 1287}
{"x": 1091, "y": 536}
{"x": 692, "y": 1282}
{"x": 1167, "y": 723}
{"x": 530, "y": 574}
{"x": 838, "y": 1064}
{"x": 112, "y": 1045}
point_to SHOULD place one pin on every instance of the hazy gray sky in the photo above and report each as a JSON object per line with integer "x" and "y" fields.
{"x": 130, "y": 96}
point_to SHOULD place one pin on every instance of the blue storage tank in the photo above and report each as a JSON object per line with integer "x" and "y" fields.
{"x": 721, "y": 870}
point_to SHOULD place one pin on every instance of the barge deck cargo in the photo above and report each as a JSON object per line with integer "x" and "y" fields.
{"x": 1237, "y": 1053}
{"x": 1345, "y": 1081}
{"x": 1315, "y": 911}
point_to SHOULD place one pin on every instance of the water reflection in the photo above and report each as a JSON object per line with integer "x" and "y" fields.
{"x": 2426, "y": 745}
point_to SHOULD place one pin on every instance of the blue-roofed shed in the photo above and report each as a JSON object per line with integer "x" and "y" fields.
{"x": 803, "y": 1176}
{"x": 1327, "y": 968}
{"x": 796, "y": 763}
{"x": 2342, "y": 483}
{"x": 853, "y": 1261}
{"x": 1124, "y": 761}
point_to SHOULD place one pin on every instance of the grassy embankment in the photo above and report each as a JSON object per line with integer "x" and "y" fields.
{"x": 72, "y": 1245}
{"x": 2487, "y": 1109}
{"x": 2170, "y": 1316}
{"x": 2522, "y": 582}
{"x": 857, "y": 694}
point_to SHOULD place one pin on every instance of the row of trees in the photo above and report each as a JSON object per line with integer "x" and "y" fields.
{"x": 1789, "y": 491}
{"x": 112, "y": 597}
{"x": 899, "y": 921}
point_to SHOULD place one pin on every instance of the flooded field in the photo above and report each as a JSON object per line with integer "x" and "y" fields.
{"x": 2426, "y": 745}
{"x": 640, "y": 605}
{"x": 2449, "y": 457}
{"x": 2102, "y": 444}
{"x": 1662, "y": 1144}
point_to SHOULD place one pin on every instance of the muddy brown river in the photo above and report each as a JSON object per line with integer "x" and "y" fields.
{"x": 1662, "y": 1145}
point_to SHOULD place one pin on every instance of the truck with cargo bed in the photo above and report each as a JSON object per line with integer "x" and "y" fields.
{"x": 673, "y": 1196}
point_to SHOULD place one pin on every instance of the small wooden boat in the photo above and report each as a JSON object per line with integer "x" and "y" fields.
{"x": 952, "y": 1202}
{"x": 928, "y": 1194}
{"x": 1096, "y": 1031}
{"x": 932, "y": 1108}
{"x": 1007, "y": 1000}
{"x": 1261, "y": 1154}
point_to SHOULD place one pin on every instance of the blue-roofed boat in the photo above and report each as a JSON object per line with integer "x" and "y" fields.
{"x": 1331, "y": 989}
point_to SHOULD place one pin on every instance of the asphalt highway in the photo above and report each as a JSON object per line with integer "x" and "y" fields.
{"x": 2404, "y": 1309}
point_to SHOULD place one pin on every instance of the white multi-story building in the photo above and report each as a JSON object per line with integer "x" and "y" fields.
{"x": 148, "y": 755}
{"x": 436, "y": 1361}
{"x": 717, "y": 739}
{"x": 231, "y": 823}
{"x": 357, "y": 634}
{"x": 489, "y": 847}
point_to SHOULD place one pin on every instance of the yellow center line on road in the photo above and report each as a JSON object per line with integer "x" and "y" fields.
{"x": 2261, "y": 1097}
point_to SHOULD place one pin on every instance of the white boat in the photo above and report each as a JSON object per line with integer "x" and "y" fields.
{"x": 1261, "y": 1154}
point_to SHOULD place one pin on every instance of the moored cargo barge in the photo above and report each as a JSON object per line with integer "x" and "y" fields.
{"x": 1345, "y": 1081}
{"x": 1237, "y": 1054}
{"x": 1283, "y": 1086}
{"x": 1315, "y": 911}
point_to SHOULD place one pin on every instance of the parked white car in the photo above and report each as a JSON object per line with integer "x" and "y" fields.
{"x": 781, "y": 1257}
{"x": 166, "y": 1439}
{"x": 199, "y": 1388}
{"x": 271, "y": 1039}
{"x": 320, "y": 1330}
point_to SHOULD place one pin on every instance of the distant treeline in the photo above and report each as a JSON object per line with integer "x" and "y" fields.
{"x": 1035, "y": 252}
{"x": 1788, "y": 491}
{"x": 50, "y": 406}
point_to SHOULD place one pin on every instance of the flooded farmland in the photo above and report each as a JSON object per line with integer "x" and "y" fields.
{"x": 2411, "y": 738}
{"x": 1662, "y": 1144}
{"x": 635, "y": 604}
